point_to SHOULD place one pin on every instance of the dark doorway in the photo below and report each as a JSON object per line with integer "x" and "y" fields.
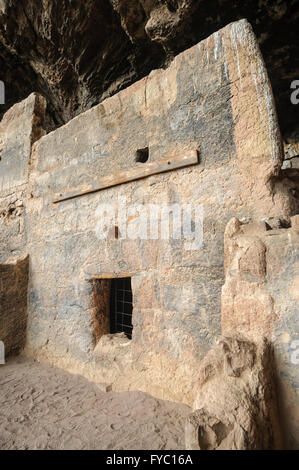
{"x": 121, "y": 306}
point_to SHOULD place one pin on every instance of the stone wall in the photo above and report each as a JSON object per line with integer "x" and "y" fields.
{"x": 214, "y": 98}
{"x": 260, "y": 299}
{"x": 20, "y": 127}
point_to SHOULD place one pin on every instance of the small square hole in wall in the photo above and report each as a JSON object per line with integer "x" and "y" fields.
{"x": 142, "y": 155}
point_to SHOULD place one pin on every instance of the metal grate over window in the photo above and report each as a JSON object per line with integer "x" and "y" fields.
{"x": 121, "y": 306}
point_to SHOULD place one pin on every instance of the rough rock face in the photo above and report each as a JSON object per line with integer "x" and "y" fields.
{"x": 74, "y": 53}
{"x": 260, "y": 298}
{"x": 236, "y": 406}
{"x": 77, "y": 53}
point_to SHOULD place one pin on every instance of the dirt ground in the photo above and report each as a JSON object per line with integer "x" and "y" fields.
{"x": 43, "y": 407}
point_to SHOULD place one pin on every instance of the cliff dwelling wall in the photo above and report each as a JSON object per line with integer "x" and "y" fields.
{"x": 211, "y": 117}
{"x": 19, "y": 128}
{"x": 214, "y": 99}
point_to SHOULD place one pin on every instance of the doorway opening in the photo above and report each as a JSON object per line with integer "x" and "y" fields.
{"x": 112, "y": 306}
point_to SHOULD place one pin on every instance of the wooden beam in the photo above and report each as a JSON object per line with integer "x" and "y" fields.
{"x": 142, "y": 170}
{"x": 110, "y": 276}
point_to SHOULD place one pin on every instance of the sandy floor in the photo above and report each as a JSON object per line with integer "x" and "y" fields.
{"x": 45, "y": 408}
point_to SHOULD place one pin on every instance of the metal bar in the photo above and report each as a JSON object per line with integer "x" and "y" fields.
{"x": 123, "y": 319}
